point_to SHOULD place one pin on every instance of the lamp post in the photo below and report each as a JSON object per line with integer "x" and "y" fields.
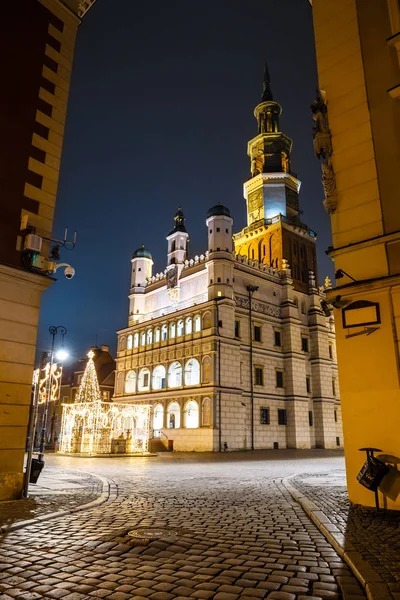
{"x": 251, "y": 289}
{"x": 45, "y": 388}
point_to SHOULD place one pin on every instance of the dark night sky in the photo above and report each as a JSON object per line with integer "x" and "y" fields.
{"x": 160, "y": 112}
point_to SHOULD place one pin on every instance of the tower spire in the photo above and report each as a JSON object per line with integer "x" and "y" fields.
{"x": 267, "y": 93}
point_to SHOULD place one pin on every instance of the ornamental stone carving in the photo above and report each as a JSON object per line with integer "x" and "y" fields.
{"x": 257, "y": 306}
{"x": 323, "y": 151}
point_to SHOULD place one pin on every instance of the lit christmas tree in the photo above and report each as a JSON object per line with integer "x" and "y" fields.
{"x": 89, "y": 390}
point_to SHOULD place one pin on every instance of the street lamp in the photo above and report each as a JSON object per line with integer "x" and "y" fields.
{"x": 251, "y": 289}
{"x": 46, "y": 386}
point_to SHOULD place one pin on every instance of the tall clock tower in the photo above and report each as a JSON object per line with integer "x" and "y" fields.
{"x": 274, "y": 231}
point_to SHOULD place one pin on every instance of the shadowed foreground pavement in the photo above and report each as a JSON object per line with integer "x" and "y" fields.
{"x": 225, "y": 528}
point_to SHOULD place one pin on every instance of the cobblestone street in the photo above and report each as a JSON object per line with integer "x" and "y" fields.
{"x": 225, "y": 527}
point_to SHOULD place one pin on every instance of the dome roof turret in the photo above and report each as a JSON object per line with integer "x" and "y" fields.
{"x": 218, "y": 210}
{"x": 142, "y": 253}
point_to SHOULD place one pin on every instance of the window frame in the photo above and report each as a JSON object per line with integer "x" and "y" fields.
{"x": 257, "y": 327}
{"x": 267, "y": 419}
{"x": 305, "y": 346}
{"x": 282, "y": 416}
{"x": 279, "y": 374}
{"x": 258, "y": 370}
{"x": 278, "y": 333}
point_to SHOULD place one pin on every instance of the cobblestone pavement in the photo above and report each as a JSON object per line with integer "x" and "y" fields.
{"x": 57, "y": 489}
{"x": 375, "y": 535}
{"x": 225, "y": 528}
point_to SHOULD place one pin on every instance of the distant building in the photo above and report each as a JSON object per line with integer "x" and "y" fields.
{"x": 231, "y": 348}
{"x": 37, "y": 42}
{"x": 71, "y": 379}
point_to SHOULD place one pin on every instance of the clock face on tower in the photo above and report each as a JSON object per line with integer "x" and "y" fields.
{"x": 255, "y": 206}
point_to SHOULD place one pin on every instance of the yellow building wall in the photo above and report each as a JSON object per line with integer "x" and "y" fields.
{"x": 356, "y": 67}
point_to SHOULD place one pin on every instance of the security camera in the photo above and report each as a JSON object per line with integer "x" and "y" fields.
{"x": 69, "y": 272}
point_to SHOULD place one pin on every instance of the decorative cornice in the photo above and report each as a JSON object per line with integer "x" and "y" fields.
{"x": 84, "y": 6}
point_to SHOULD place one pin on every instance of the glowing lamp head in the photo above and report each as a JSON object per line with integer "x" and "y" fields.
{"x": 62, "y": 354}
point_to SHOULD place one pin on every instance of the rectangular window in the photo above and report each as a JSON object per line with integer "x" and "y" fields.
{"x": 218, "y": 229}
{"x": 53, "y": 43}
{"x": 264, "y": 416}
{"x": 105, "y": 395}
{"x": 333, "y": 387}
{"x": 50, "y": 63}
{"x": 335, "y": 414}
{"x": 304, "y": 344}
{"x": 259, "y": 375}
{"x": 44, "y": 107}
{"x": 34, "y": 179}
{"x": 310, "y": 418}
{"x": 277, "y": 338}
{"x": 145, "y": 380}
{"x": 330, "y": 351}
{"x": 308, "y": 385}
{"x": 279, "y": 379}
{"x": 48, "y": 85}
{"x": 41, "y": 130}
{"x": 38, "y": 154}
{"x": 257, "y": 333}
{"x": 237, "y": 329}
{"x": 282, "y": 416}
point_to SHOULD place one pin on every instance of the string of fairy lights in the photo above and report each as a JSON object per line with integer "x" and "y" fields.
{"x": 90, "y": 426}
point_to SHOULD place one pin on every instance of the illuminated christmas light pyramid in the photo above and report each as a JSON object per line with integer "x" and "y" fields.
{"x": 89, "y": 390}
{"x": 90, "y": 426}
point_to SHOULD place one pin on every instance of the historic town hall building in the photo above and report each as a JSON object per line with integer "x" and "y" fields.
{"x": 231, "y": 348}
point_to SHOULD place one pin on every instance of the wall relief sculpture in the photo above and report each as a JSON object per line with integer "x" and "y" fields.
{"x": 323, "y": 151}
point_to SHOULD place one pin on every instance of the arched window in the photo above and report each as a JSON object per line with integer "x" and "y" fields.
{"x": 189, "y": 325}
{"x": 144, "y": 379}
{"x": 192, "y": 372}
{"x": 206, "y": 412}
{"x": 197, "y": 323}
{"x": 129, "y": 343}
{"x": 143, "y": 338}
{"x": 173, "y": 246}
{"x": 172, "y": 330}
{"x": 159, "y": 378}
{"x": 174, "y": 416}
{"x": 175, "y": 374}
{"x": 119, "y": 388}
{"x": 136, "y": 340}
{"x": 149, "y": 336}
{"x": 164, "y": 332}
{"x": 130, "y": 382}
{"x": 206, "y": 369}
{"x": 181, "y": 328}
{"x": 122, "y": 343}
{"x": 157, "y": 335}
{"x": 207, "y": 323}
{"x": 158, "y": 416}
{"x": 191, "y": 414}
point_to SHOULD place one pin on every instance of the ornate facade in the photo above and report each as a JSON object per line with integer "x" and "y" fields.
{"x": 231, "y": 348}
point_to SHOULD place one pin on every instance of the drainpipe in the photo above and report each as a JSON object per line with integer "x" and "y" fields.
{"x": 219, "y": 383}
{"x": 251, "y": 289}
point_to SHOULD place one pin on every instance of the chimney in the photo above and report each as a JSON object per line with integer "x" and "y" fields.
{"x": 105, "y": 348}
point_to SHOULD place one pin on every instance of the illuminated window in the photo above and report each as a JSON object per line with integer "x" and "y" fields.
{"x": 192, "y": 372}
{"x": 130, "y": 382}
{"x": 105, "y": 395}
{"x": 129, "y": 343}
{"x": 219, "y": 294}
{"x": 174, "y": 416}
{"x": 157, "y": 335}
{"x": 172, "y": 330}
{"x": 149, "y": 336}
{"x": 143, "y": 338}
{"x": 197, "y": 323}
{"x": 136, "y": 340}
{"x": 189, "y": 325}
{"x": 175, "y": 375}
{"x": 158, "y": 416}
{"x": 164, "y": 332}
{"x": 191, "y": 414}
{"x": 143, "y": 380}
{"x": 180, "y": 328}
{"x": 158, "y": 378}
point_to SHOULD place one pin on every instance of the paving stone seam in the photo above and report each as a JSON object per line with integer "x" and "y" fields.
{"x": 109, "y": 491}
{"x": 372, "y": 582}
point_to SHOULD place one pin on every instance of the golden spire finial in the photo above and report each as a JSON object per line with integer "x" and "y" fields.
{"x": 90, "y": 354}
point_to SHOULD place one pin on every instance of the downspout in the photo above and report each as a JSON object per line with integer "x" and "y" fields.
{"x": 219, "y": 383}
{"x": 251, "y": 289}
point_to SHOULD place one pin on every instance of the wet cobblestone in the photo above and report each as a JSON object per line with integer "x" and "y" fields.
{"x": 375, "y": 535}
{"x": 239, "y": 535}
